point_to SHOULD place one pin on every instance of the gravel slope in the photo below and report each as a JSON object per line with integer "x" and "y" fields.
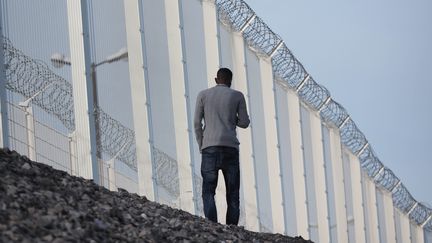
{"x": 41, "y": 204}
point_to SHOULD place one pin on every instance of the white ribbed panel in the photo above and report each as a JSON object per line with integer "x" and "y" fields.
{"x": 140, "y": 101}
{"x": 179, "y": 97}
{"x": 85, "y": 130}
{"x": 337, "y": 181}
{"x": 247, "y": 169}
{"x": 357, "y": 198}
{"x": 402, "y": 224}
{"x": 370, "y": 209}
{"x": 292, "y": 169}
{"x": 316, "y": 175}
{"x": 386, "y": 217}
{"x": 211, "y": 40}
{"x": 196, "y": 53}
{"x": 417, "y": 233}
{"x": 271, "y": 144}
{"x": 297, "y": 165}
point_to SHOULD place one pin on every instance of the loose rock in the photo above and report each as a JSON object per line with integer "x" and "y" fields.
{"x": 41, "y": 204}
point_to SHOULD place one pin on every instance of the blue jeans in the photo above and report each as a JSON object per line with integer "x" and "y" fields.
{"x": 217, "y": 158}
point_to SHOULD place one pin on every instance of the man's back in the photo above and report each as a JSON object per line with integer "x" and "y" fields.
{"x": 222, "y": 109}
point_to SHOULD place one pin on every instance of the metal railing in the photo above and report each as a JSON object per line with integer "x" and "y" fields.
{"x": 238, "y": 16}
{"x": 33, "y": 79}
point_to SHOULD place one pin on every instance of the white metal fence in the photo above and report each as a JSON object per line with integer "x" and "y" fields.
{"x": 42, "y": 119}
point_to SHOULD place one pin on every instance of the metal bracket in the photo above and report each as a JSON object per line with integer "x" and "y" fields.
{"x": 243, "y": 28}
{"x": 302, "y": 83}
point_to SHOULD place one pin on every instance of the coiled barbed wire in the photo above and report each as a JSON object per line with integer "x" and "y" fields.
{"x": 352, "y": 137}
{"x": 334, "y": 113}
{"x": 260, "y": 37}
{"x": 35, "y": 80}
{"x": 115, "y": 139}
{"x": 313, "y": 94}
{"x": 387, "y": 179}
{"x": 166, "y": 172}
{"x": 238, "y": 16}
{"x": 287, "y": 68}
{"x": 420, "y": 213}
{"x": 234, "y": 14}
{"x": 370, "y": 162}
{"x": 403, "y": 199}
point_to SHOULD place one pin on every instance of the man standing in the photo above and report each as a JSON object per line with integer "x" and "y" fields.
{"x": 222, "y": 109}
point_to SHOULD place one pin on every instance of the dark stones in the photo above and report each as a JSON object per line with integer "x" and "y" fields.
{"x": 40, "y": 204}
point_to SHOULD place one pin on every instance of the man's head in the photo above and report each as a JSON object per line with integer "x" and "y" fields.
{"x": 224, "y": 76}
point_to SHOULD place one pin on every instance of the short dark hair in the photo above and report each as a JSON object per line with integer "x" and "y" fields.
{"x": 224, "y": 74}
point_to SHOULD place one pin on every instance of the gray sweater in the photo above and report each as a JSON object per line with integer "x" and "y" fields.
{"x": 222, "y": 109}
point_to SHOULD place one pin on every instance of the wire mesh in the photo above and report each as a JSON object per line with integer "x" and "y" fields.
{"x": 52, "y": 147}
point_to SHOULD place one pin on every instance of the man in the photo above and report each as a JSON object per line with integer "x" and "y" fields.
{"x": 222, "y": 109}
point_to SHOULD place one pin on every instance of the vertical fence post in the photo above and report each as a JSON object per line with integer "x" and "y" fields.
{"x": 140, "y": 97}
{"x": 4, "y": 126}
{"x": 72, "y": 153}
{"x": 85, "y": 122}
{"x": 31, "y": 143}
{"x": 111, "y": 175}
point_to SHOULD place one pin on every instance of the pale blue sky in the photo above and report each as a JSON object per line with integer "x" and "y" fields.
{"x": 375, "y": 57}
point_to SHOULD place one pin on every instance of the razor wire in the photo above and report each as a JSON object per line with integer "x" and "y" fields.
{"x": 115, "y": 139}
{"x": 166, "y": 172}
{"x": 238, "y": 16}
{"x": 34, "y": 80}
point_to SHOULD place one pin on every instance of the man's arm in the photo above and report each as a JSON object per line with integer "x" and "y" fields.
{"x": 242, "y": 114}
{"x": 199, "y": 115}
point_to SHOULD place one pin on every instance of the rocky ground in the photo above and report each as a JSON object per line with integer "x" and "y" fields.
{"x": 41, "y": 204}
